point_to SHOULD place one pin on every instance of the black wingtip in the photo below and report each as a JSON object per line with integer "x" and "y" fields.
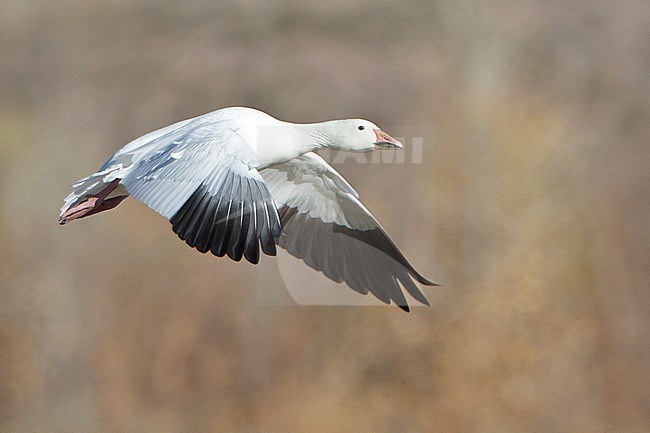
{"x": 420, "y": 279}
{"x": 252, "y": 258}
{"x": 405, "y": 308}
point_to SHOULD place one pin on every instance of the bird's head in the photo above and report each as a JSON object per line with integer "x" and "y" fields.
{"x": 358, "y": 135}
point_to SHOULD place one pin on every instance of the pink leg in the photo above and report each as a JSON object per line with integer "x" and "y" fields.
{"x": 93, "y": 204}
{"x": 105, "y": 205}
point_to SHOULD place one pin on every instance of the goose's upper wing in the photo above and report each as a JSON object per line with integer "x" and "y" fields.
{"x": 202, "y": 177}
{"x": 331, "y": 231}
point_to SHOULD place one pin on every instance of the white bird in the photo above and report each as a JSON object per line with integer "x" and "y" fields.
{"x": 236, "y": 180}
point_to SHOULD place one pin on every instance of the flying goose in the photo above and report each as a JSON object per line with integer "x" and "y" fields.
{"x": 237, "y": 180}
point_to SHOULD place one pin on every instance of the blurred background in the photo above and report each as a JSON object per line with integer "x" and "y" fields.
{"x": 533, "y": 191}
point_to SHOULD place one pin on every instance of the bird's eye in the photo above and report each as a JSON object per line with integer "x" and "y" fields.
{"x": 361, "y": 128}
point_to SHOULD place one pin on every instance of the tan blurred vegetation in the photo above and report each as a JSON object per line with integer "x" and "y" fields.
{"x": 536, "y": 199}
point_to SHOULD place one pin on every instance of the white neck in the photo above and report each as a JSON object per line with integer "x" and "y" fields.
{"x": 284, "y": 142}
{"x": 317, "y": 135}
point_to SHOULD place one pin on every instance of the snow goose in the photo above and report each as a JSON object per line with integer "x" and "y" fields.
{"x": 237, "y": 180}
